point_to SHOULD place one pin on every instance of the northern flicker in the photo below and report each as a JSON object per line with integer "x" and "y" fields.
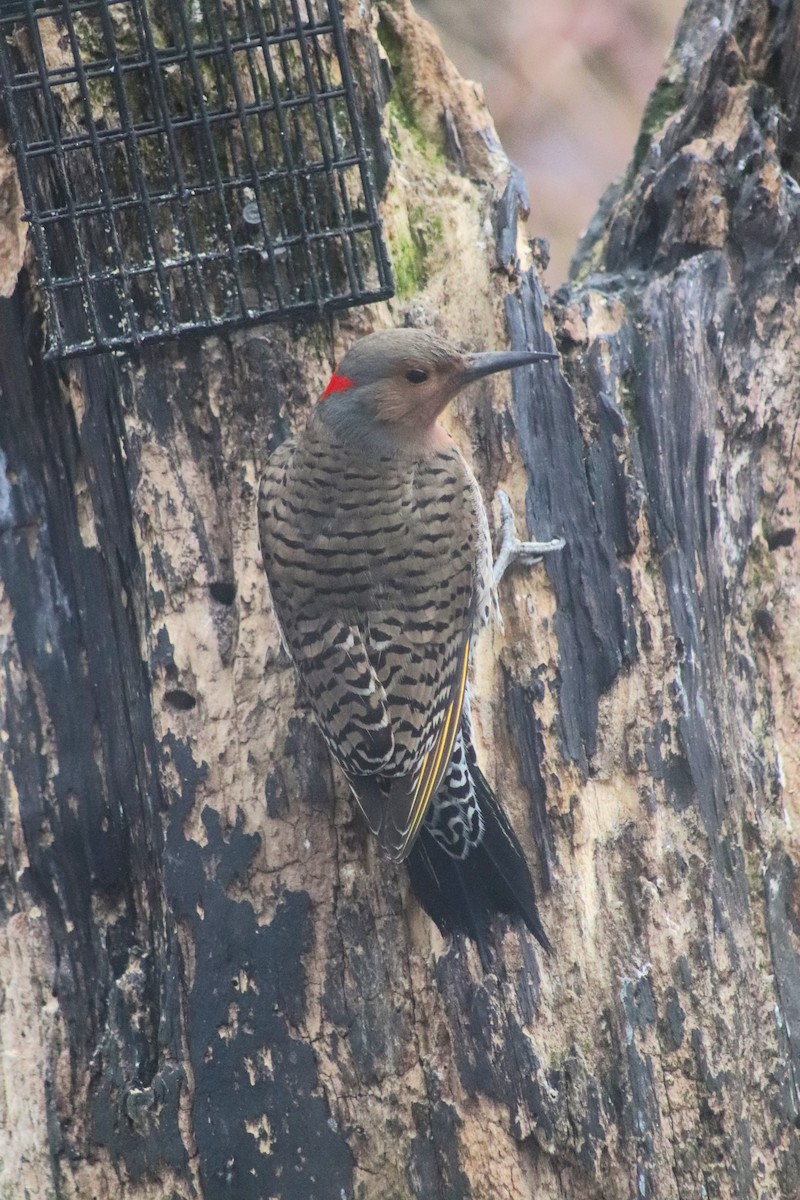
{"x": 376, "y": 546}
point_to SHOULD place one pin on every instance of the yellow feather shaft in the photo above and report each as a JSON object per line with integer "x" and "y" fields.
{"x": 429, "y": 780}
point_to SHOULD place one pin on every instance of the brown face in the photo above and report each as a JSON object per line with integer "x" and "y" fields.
{"x": 404, "y": 378}
{"x": 415, "y": 395}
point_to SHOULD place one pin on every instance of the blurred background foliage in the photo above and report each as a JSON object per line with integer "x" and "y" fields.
{"x": 566, "y": 82}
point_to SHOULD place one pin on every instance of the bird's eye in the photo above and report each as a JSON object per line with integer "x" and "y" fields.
{"x": 416, "y": 376}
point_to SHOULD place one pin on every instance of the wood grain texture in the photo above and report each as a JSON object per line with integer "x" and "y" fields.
{"x": 211, "y": 984}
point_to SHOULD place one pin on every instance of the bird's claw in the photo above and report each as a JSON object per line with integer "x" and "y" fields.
{"x": 512, "y": 550}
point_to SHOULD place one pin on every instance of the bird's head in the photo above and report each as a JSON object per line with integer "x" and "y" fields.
{"x": 400, "y": 380}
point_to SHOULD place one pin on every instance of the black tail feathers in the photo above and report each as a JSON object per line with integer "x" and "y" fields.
{"x": 463, "y": 894}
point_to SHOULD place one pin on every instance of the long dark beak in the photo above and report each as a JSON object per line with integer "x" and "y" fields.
{"x": 488, "y": 363}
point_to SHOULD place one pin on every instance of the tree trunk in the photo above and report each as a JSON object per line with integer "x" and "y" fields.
{"x": 212, "y": 985}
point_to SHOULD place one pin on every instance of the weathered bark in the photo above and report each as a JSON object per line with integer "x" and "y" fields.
{"x": 212, "y": 985}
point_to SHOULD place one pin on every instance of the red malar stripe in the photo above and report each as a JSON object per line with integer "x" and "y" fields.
{"x": 338, "y": 383}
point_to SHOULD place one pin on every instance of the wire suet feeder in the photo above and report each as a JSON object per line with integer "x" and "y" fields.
{"x": 188, "y": 165}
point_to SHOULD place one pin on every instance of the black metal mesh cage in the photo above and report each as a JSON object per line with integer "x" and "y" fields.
{"x": 188, "y": 164}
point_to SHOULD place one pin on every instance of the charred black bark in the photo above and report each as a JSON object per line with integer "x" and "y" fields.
{"x": 80, "y": 750}
{"x": 107, "y": 859}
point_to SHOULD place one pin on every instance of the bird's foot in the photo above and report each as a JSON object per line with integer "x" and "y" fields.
{"x": 512, "y": 550}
